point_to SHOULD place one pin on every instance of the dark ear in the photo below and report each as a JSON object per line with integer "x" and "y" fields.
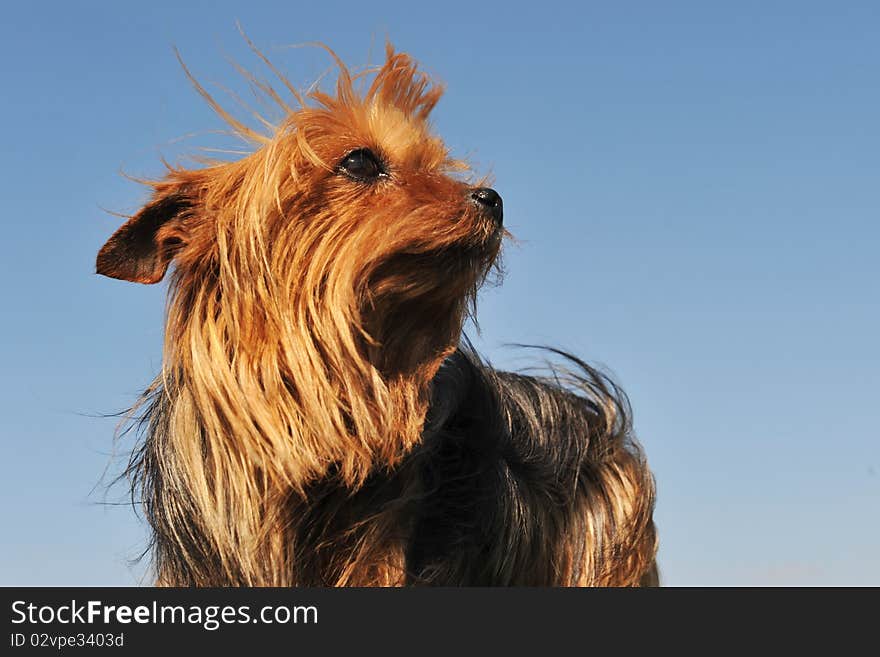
{"x": 142, "y": 248}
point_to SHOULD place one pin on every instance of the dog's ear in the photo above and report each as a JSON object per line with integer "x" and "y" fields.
{"x": 141, "y": 250}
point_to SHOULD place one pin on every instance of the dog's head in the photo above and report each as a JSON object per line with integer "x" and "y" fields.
{"x": 352, "y": 211}
{"x": 346, "y": 248}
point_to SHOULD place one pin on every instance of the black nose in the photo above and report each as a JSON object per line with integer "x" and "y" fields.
{"x": 488, "y": 200}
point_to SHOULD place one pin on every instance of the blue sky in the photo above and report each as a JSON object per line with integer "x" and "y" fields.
{"x": 695, "y": 193}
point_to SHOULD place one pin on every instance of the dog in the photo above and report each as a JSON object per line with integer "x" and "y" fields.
{"x": 320, "y": 419}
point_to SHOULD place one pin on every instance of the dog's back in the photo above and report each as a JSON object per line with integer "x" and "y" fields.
{"x": 531, "y": 481}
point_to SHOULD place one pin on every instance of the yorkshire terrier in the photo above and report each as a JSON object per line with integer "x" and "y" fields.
{"x": 319, "y": 419}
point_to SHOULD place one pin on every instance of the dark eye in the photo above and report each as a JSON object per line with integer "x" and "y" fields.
{"x": 362, "y": 164}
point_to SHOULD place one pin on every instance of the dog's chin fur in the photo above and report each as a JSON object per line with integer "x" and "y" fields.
{"x": 319, "y": 419}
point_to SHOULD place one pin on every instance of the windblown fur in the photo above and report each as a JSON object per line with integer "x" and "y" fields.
{"x": 317, "y": 421}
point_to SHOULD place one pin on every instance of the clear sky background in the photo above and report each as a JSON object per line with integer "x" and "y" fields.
{"x": 695, "y": 189}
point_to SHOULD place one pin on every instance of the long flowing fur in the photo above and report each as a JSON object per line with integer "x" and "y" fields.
{"x": 532, "y": 481}
{"x": 312, "y": 327}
